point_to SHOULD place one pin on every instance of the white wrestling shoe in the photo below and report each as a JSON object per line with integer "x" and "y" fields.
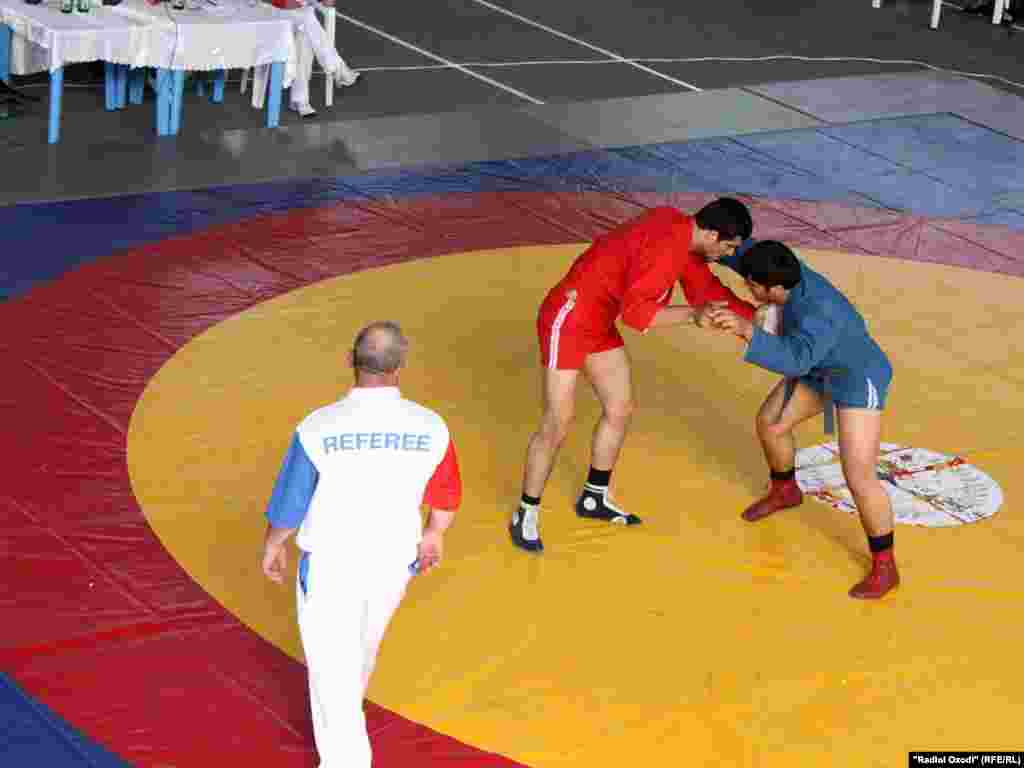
{"x": 525, "y": 528}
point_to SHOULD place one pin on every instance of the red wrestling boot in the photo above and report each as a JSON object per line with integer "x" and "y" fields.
{"x": 883, "y": 577}
{"x": 783, "y": 495}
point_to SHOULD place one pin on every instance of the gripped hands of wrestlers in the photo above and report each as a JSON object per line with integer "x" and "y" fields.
{"x": 726, "y": 320}
{"x": 275, "y": 561}
{"x": 430, "y": 549}
{"x": 702, "y": 314}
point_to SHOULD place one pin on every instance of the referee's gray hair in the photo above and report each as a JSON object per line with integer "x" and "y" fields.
{"x": 379, "y": 348}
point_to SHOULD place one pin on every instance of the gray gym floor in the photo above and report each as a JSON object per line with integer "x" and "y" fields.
{"x": 467, "y": 80}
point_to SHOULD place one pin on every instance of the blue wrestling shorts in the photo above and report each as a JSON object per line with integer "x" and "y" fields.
{"x": 863, "y": 388}
{"x": 840, "y": 388}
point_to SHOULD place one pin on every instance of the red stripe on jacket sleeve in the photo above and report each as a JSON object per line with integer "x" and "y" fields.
{"x": 444, "y": 491}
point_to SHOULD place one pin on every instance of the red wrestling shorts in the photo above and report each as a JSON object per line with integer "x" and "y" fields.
{"x": 565, "y": 335}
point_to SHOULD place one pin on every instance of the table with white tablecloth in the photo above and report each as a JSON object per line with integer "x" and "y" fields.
{"x": 212, "y": 35}
{"x": 40, "y": 38}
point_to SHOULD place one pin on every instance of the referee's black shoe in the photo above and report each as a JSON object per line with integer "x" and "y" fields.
{"x": 525, "y": 529}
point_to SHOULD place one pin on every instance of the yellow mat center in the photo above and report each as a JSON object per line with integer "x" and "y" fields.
{"x": 695, "y": 639}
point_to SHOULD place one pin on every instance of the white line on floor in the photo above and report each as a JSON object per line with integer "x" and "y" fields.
{"x": 562, "y": 62}
{"x": 697, "y": 60}
{"x": 461, "y": 68}
{"x": 585, "y": 44}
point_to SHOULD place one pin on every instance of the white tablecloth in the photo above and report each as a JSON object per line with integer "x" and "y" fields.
{"x": 46, "y": 39}
{"x": 229, "y": 35}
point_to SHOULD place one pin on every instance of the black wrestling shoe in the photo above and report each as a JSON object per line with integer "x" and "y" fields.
{"x": 525, "y": 529}
{"x": 595, "y": 505}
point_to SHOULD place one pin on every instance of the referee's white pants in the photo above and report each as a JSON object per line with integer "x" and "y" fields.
{"x": 342, "y": 622}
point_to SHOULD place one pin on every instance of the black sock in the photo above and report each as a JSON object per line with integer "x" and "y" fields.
{"x": 530, "y": 501}
{"x": 789, "y": 474}
{"x": 599, "y": 477}
{"x": 880, "y": 543}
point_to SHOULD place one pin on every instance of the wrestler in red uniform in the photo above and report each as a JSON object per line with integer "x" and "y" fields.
{"x": 629, "y": 273}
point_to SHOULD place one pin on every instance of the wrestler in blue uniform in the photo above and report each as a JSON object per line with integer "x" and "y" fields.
{"x": 824, "y": 350}
{"x": 825, "y": 335}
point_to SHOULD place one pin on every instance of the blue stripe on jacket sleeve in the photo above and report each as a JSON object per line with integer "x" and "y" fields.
{"x": 294, "y": 488}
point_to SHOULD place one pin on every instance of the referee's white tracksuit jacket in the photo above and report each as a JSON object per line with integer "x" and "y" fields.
{"x": 353, "y": 482}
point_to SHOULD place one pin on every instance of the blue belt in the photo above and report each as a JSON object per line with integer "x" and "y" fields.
{"x": 829, "y": 412}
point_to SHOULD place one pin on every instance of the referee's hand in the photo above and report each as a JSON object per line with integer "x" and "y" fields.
{"x": 430, "y": 551}
{"x": 275, "y": 561}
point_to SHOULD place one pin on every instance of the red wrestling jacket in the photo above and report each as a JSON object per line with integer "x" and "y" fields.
{"x": 631, "y": 271}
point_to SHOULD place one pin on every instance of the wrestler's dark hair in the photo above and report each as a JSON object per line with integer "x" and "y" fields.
{"x": 379, "y": 348}
{"x": 770, "y": 263}
{"x": 728, "y": 217}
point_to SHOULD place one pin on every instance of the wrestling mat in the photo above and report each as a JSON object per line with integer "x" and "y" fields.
{"x": 162, "y": 348}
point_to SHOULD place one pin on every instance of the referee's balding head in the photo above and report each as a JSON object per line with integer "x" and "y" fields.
{"x": 379, "y": 350}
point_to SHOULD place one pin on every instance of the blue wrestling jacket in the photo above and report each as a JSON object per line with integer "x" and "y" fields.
{"x": 821, "y": 332}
